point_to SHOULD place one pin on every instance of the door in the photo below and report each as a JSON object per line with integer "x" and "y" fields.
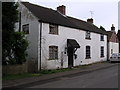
{"x": 70, "y": 57}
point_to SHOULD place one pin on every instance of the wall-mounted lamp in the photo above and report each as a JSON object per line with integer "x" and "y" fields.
{"x": 65, "y": 50}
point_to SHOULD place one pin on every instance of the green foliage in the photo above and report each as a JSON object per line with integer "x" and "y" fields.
{"x": 19, "y": 76}
{"x": 14, "y": 44}
{"x": 19, "y": 47}
{"x": 55, "y": 71}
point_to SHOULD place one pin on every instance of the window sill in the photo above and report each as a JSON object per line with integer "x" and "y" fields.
{"x": 101, "y": 40}
{"x": 88, "y": 38}
{"x": 53, "y": 59}
{"x": 53, "y": 33}
{"x": 102, "y": 56}
{"x": 88, "y": 58}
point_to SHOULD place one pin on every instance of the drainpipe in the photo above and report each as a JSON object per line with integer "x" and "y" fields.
{"x": 20, "y": 22}
{"x": 40, "y": 37}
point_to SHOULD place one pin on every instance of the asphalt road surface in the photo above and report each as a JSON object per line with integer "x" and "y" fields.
{"x": 103, "y": 78}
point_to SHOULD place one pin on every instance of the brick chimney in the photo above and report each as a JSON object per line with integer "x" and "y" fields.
{"x": 90, "y": 20}
{"x": 113, "y": 28}
{"x": 62, "y": 9}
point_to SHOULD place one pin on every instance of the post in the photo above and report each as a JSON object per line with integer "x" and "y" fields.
{"x": 20, "y": 22}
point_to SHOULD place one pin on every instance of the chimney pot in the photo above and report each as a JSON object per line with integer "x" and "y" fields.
{"x": 90, "y": 20}
{"x": 112, "y": 28}
{"x": 62, "y": 9}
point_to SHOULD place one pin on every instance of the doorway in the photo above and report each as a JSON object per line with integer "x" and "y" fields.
{"x": 70, "y": 57}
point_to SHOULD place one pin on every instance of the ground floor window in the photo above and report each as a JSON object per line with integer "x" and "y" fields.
{"x": 111, "y": 51}
{"x": 88, "y": 52}
{"x": 102, "y": 51}
{"x": 53, "y": 52}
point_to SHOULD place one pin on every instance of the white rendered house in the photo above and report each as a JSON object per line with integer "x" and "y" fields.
{"x": 59, "y": 41}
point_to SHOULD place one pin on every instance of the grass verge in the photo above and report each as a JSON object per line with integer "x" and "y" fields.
{"x": 19, "y": 76}
{"x": 43, "y": 72}
{"x": 26, "y": 75}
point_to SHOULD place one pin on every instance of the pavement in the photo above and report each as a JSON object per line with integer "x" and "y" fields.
{"x": 46, "y": 77}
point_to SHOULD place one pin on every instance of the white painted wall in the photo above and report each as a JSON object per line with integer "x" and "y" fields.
{"x": 28, "y": 18}
{"x": 61, "y": 41}
{"x": 114, "y": 46}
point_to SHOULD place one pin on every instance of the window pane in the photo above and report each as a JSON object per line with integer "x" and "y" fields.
{"x": 87, "y": 51}
{"x": 102, "y": 51}
{"x": 26, "y": 28}
{"x": 53, "y": 52}
{"x": 102, "y": 37}
{"x": 88, "y": 35}
{"x": 53, "y": 29}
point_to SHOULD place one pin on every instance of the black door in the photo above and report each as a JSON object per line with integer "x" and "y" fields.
{"x": 70, "y": 57}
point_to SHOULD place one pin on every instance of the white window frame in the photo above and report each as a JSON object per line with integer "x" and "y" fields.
{"x": 88, "y": 52}
{"x": 53, "y": 52}
{"x": 25, "y": 28}
{"x": 53, "y": 29}
{"x": 88, "y": 35}
{"x": 101, "y": 37}
{"x": 102, "y": 51}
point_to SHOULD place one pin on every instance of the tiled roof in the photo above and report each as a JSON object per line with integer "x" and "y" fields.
{"x": 109, "y": 34}
{"x": 54, "y": 17}
{"x": 86, "y": 26}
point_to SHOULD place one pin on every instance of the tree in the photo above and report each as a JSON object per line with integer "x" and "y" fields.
{"x": 19, "y": 47}
{"x": 102, "y": 28}
{"x": 11, "y": 39}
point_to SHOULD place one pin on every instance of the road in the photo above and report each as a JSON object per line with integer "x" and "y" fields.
{"x": 103, "y": 78}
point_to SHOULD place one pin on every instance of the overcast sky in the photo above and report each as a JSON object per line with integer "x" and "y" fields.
{"x": 105, "y": 12}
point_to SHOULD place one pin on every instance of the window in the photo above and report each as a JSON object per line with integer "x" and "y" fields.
{"x": 87, "y": 35}
{"x": 53, "y": 29}
{"x": 111, "y": 51}
{"x": 25, "y": 28}
{"x": 88, "y": 52}
{"x": 102, "y": 51}
{"x": 101, "y": 37}
{"x": 53, "y": 52}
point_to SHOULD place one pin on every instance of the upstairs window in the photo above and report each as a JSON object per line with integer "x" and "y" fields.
{"x": 25, "y": 28}
{"x": 53, "y": 29}
{"x": 53, "y": 52}
{"x": 102, "y": 51}
{"x": 101, "y": 37}
{"x": 88, "y": 35}
{"x": 88, "y": 52}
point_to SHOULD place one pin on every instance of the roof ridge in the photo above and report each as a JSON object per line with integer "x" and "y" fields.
{"x": 83, "y": 21}
{"x": 39, "y": 6}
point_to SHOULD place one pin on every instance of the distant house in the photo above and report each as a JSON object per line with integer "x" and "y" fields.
{"x": 118, "y": 34}
{"x": 113, "y": 42}
{"x": 60, "y": 41}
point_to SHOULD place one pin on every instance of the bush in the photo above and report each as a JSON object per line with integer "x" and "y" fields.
{"x": 18, "y": 50}
{"x": 20, "y": 45}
